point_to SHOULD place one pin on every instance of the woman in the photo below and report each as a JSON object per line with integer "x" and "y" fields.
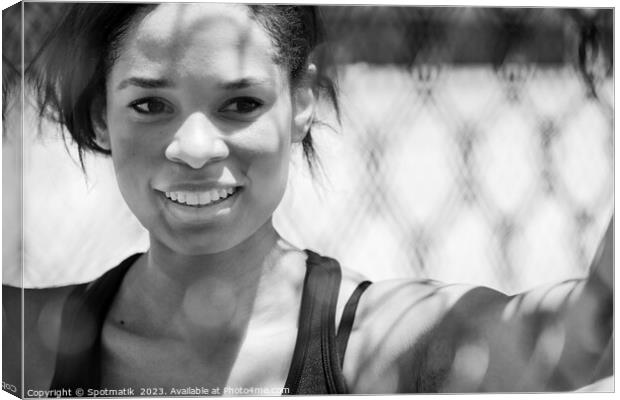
{"x": 199, "y": 106}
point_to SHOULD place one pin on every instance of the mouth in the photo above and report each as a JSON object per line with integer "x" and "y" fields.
{"x": 201, "y": 199}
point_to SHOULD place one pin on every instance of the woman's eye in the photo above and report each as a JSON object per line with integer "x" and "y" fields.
{"x": 242, "y": 105}
{"x": 151, "y": 106}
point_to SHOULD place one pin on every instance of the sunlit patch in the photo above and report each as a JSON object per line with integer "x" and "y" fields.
{"x": 511, "y": 309}
{"x": 210, "y": 303}
{"x": 545, "y": 357}
{"x": 469, "y": 367}
{"x": 48, "y": 324}
{"x": 83, "y": 332}
{"x": 550, "y": 344}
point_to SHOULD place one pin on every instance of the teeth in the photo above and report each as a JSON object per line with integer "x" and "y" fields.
{"x": 200, "y": 198}
{"x": 204, "y": 198}
{"x": 191, "y": 199}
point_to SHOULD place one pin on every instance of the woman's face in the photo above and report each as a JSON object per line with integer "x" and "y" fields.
{"x": 200, "y": 121}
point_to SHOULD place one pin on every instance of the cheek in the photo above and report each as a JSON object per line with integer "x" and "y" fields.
{"x": 134, "y": 154}
{"x": 271, "y": 146}
{"x": 130, "y": 142}
{"x": 266, "y": 161}
{"x": 267, "y": 156}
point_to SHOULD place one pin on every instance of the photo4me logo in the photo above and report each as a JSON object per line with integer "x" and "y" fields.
{"x": 8, "y": 387}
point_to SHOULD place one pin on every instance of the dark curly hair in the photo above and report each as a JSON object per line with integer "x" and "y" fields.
{"x": 70, "y": 71}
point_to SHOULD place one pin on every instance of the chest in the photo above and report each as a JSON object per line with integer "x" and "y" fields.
{"x": 258, "y": 359}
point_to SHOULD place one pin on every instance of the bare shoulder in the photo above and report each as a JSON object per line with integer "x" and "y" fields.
{"x": 389, "y": 299}
{"x": 404, "y": 329}
{"x": 394, "y": 312}
{"x": 42, "y": 310}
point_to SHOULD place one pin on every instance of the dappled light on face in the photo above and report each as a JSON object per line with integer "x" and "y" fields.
{"x": 168, "y": 40}
{"x": 471, "y": 361}
{"x": 210, "y": 303}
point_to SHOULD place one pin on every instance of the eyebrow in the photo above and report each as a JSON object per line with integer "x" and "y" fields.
{"x": 146, "y": 83}
{"x": 149, "y": 83}
{"x": 244, "y": 83}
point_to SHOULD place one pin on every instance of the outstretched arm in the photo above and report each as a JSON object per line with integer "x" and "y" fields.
{"x": 554, "y": 338}
{"x": 429, "y": 337}
{"x": 589, "y": 321}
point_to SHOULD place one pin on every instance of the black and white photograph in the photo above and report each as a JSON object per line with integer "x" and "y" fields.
{"x": 244, "y": 199}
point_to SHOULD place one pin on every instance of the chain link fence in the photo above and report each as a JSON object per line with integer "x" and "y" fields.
{"x": 475, "y": 145}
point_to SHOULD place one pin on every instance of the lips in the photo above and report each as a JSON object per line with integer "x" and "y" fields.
{"x": 200, "y": 198}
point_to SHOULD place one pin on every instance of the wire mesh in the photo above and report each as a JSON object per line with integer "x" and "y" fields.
{"x": 475, "y": 146}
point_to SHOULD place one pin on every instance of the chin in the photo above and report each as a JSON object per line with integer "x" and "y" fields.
{"x": 201, "y": 246}
{"x": 210, "y": 239}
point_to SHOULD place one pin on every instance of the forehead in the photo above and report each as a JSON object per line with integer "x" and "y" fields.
{"x": 209, "y": 39}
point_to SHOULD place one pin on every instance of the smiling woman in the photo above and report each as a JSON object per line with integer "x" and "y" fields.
{"x": 199, "y": 107}
{"x": 194, "y": 105}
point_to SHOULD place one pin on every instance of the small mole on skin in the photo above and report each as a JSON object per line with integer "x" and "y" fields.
{"x": 122, "y": 322}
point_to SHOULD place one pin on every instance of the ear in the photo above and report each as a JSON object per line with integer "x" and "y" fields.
{"x": 99, "y": 122}
{"x": 304, "y": 105}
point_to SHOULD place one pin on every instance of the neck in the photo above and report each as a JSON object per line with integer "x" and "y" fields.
{"x": 240, "y": 265}
{"x": 211, "y": 292}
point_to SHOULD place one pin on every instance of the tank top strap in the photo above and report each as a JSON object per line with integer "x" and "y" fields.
{"x": 348, "y": 317}
{"x": 317, "y": 359}
{"x": 316, "y": 367}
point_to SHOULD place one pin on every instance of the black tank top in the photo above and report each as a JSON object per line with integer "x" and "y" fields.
{"x": 316, "y": 367}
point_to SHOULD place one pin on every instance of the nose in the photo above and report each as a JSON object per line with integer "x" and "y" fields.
{"x": 197, "y": 142}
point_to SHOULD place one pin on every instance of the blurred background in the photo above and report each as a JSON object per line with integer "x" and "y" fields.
{"x": 475, "y": 146}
